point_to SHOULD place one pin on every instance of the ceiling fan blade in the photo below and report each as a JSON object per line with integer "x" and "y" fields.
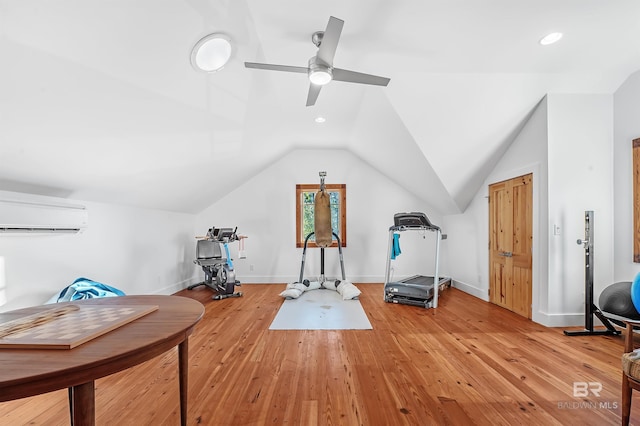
{"x": 314, "y": 91}
{"x": 358, "y": 77}
{"x": 287, "y": 68}
{"x": 329, "y": 43}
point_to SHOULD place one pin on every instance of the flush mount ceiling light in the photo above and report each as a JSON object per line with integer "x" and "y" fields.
{"x": 320, "y": 119}
{"x": 211, "y": 53}
{"x": 550, "y": 38}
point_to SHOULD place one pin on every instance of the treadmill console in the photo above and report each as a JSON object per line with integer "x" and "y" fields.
{"x": 412, "y": 220}
{"x": 222, "y": 234}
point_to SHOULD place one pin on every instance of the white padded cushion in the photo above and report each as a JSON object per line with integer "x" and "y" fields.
{"x": 348, "y": 291}
{"x": 293, "y": 290}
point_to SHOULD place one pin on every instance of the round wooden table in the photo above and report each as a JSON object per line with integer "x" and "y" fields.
{"x": 28, "y": 372}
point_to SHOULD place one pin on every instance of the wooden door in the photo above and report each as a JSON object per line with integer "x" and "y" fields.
{"x": 510, "y": 242}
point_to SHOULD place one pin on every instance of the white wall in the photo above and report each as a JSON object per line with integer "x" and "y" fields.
{"x": 136, "y": 250}
{"x": 626, "y": 128}
{"x": 567, "y": 145}
{"x": 263, "y": 208}
{"x": 580, "y": 179}
{"x": 468, "y": 246}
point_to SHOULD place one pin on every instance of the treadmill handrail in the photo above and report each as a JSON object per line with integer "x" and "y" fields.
{"x": 436, "y": 276}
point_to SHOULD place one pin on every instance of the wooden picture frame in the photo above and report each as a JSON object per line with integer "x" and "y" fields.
{"x": 341, "y": 189}
{"x": 636, "y": 200}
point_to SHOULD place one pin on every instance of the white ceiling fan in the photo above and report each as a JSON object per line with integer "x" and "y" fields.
{"x": 320, "y": 69}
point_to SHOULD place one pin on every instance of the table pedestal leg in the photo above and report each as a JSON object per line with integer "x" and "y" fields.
{"x": 82, "y": 404}
{"x": 183, "y": 366}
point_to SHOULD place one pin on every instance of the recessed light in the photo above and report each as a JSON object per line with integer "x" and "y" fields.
{"x": 320, "y": 119}
{"x": 211, "y": 53}
{"x": 550, "y": 38}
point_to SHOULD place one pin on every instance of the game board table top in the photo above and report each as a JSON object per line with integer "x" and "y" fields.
{"x": 28, "y": 372}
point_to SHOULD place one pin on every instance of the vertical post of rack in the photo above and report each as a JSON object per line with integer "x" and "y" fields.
{"x": 590, "y": 309}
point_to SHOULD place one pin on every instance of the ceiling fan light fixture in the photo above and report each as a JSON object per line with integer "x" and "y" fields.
{"x": 320, "y": 69}
{"x": 211, "y": 53}
{"x": 320, "y": 77}
{"x": 319, "y": 73}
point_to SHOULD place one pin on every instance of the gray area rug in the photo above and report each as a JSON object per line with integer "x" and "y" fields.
{"x": 320, "y": 310}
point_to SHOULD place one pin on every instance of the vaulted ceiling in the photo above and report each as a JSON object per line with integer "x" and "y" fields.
{"x": 99, "y": 101}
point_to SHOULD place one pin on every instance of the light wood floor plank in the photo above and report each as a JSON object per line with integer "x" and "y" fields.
{"x": 467, "y": 362}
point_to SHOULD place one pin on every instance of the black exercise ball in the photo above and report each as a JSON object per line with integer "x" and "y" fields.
{"x": 616, "y": 299}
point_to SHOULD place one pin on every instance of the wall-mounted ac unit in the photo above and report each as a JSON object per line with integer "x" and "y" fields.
{"x": 25, "y": 213}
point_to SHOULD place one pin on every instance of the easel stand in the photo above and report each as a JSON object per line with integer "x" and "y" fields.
{"x": 590, "y": 309}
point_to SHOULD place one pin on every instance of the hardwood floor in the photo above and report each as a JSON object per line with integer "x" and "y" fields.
{"x": 466, "y": 362}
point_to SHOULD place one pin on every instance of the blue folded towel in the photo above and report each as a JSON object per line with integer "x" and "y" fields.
{"x": 395, "y": 249}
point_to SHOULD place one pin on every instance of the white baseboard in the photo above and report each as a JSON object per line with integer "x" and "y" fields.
{"x": 480, "y": 293}
{"x": 562, "y": 320}
{"x": 176, "y": 287}
{"x": 259, "y": 279}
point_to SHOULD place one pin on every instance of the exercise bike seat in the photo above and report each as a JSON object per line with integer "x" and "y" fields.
{"x": 208, "y": 253}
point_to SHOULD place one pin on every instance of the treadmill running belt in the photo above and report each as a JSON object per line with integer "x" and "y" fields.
{"x": 418, "y": 280}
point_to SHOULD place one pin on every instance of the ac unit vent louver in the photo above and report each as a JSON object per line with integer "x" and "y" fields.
{"x": 27, "y": 214}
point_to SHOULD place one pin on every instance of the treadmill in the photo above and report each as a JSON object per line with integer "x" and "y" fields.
{"x": 416, "y": 290}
